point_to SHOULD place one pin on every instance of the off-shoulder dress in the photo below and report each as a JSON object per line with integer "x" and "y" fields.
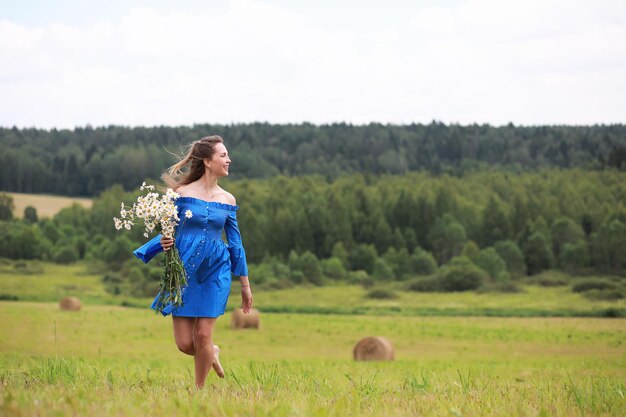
{"x": 208, "y": 260}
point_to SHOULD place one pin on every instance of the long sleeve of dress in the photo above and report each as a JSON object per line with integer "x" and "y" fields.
{"x": 238, "y": 264}
{"x": 149, "y": 249}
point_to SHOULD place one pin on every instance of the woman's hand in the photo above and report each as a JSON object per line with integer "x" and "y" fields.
{"x": 246, "y": 298}
{"x": 166, "y": 243}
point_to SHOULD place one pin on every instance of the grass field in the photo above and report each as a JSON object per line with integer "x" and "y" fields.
{"x": 108, "y": 360}
{"x": 46, "y": 205}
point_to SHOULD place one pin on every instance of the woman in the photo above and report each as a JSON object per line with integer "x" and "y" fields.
{"x": 208, "y": 261}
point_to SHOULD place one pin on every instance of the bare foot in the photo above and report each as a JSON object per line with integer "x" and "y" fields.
{"x": 217, "y": 366}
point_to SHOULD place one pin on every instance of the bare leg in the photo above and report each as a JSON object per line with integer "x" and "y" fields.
{"x": 183, "y": 334}
{"x": 217, "y": 366}
{"x": 204, "y": 351}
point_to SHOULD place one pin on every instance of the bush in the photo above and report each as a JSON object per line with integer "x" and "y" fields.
{"x": 548, "y": 279}
{"x": 382, "y": 271}
{"x": 333, "y": 268}
{"x": 65, "y": 255}
{"x": 381, "y": 294}
{"x": 423, "y": 263}
{"x": 263, "y": 273}
{"x": 399, "y": 261}
{"x": 9, "y": 297}
{"x": 574, "y": 257}
{"x": 30, "y": 214}
{"x": 604, "y": 295}
{"x": 360, "y": 277}
{"x": 305, "y": 267}
{"x": 428, "y": 284}
{"x": 20, "y": 240}
{"x": 512, "y": 256}
{"x": 113, "y": 282}
{"x": 490, "y": 262}
{"x": 594, "y": 284}
{"x": 28, "y": 267}
{"x": 538, "y": 254}
{"x": 297, "y": 277}
{"x": 281, "y": 284}
{"x": 311, "y": 268}
{"x": 460, "y": 274}
{"x": 96, "y": 266}
{"x": 471, "y": 250}
{"x": 501, "y": 286}
{"x": 362, "y": 257}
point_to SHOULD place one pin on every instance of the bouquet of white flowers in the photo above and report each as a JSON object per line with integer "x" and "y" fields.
{"x": 158, "y": 212}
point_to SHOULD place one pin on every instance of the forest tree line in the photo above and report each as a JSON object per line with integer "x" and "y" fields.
{"x": 85, "y": 161}
{"x": 485, "y": 228}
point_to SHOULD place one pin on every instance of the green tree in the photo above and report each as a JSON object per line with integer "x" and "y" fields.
{"x": 334, "y": 269}
{"x": 340, "y": 252}
{"x": 564, "y": 230}
{"x": 19, "y": 240}
{"x": 496, "y": 225}
{"x": 447, "y": 237}
{"x": 311, "y": 268}
{"x": 422, "y": 262}
{"x": 471, "y": 250}
{"x": 116, "y": 251}
{"x": 574, "y": 256}
{"x": 6, "y": 207}
{"x": 490, "y": 262}
{"x": 538, "y": 255}
{"x": 382, "y": 271}
{"x": 399, "y": 261}
{"x": 426, "y": 216}
{"x": 51, "y": 232}
{"x": 363, "y": 257}
{"x": 512, "y": 256}
{"x": 609, "y": 247}
{"x": 295, "y": 267}
{"x": 30, "y": 214}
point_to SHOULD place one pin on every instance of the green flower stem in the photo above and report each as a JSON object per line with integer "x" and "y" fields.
{"x": 173, "y": 281}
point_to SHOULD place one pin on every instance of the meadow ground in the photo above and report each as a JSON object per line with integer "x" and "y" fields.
{"x": 111, "y": 360}
{"x": 46, "y": 205}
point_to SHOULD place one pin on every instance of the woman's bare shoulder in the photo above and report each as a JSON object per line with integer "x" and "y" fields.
{"x": 231, "y": 198}
{"x": 184, "y": 190}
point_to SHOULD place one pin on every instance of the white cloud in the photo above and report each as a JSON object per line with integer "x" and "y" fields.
{"x": 528, "y": 62}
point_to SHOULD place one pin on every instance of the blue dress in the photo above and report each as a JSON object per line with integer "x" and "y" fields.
{"x": 208, "y": 261}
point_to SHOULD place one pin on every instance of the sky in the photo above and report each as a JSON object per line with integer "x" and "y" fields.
{"x": 70, "y": 63}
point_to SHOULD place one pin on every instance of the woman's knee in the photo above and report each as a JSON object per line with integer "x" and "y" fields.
{"x": 186, "y": 346}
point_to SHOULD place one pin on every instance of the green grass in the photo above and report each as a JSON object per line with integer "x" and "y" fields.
{"x": 57, "y": 281}
{"x": 108, "y": 360}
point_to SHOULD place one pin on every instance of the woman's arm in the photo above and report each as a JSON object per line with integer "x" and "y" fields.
{"x": 238, "y": 263}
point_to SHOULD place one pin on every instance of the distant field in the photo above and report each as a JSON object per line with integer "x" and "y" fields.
{"x": 54, "y": 281}
{"x": 46, "y": 205}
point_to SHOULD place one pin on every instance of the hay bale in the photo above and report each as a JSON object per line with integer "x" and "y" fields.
{"x": 70, "y": 304}
{"x": 245, "y": 321}
{"x": 374, "y": 349}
